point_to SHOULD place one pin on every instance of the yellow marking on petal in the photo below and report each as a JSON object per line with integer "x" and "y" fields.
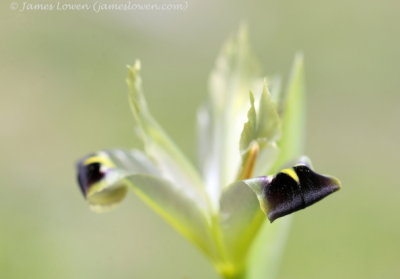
{"x": 99, "y": 159}
{"x": 292, "y": 174}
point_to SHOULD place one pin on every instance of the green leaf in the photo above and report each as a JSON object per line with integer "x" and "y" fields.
{"x": 105, "y": 186}
{"x": 172, "y": 163}
{"x": 267, "y": 249}
{"x": 291, "y": 144}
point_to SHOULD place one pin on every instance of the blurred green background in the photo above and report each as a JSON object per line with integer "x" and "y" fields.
{"x": 63, "y": 94}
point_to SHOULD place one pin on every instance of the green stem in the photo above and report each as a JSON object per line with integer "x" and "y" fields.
{"x": 241, "y": 275}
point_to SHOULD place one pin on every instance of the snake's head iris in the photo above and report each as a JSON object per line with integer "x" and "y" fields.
{"x": 100, "y": 182}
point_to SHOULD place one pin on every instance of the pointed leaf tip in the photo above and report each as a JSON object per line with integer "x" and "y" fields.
{"x": 135, "y": 67}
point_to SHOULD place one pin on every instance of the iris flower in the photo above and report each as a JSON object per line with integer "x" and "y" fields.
{"x": 248, "y": 133}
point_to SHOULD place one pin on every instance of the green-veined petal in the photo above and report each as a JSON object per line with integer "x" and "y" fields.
{"x": 105, "y": 176}
{"x": 174, "y": 166}
{"x": 235, "y": 74}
